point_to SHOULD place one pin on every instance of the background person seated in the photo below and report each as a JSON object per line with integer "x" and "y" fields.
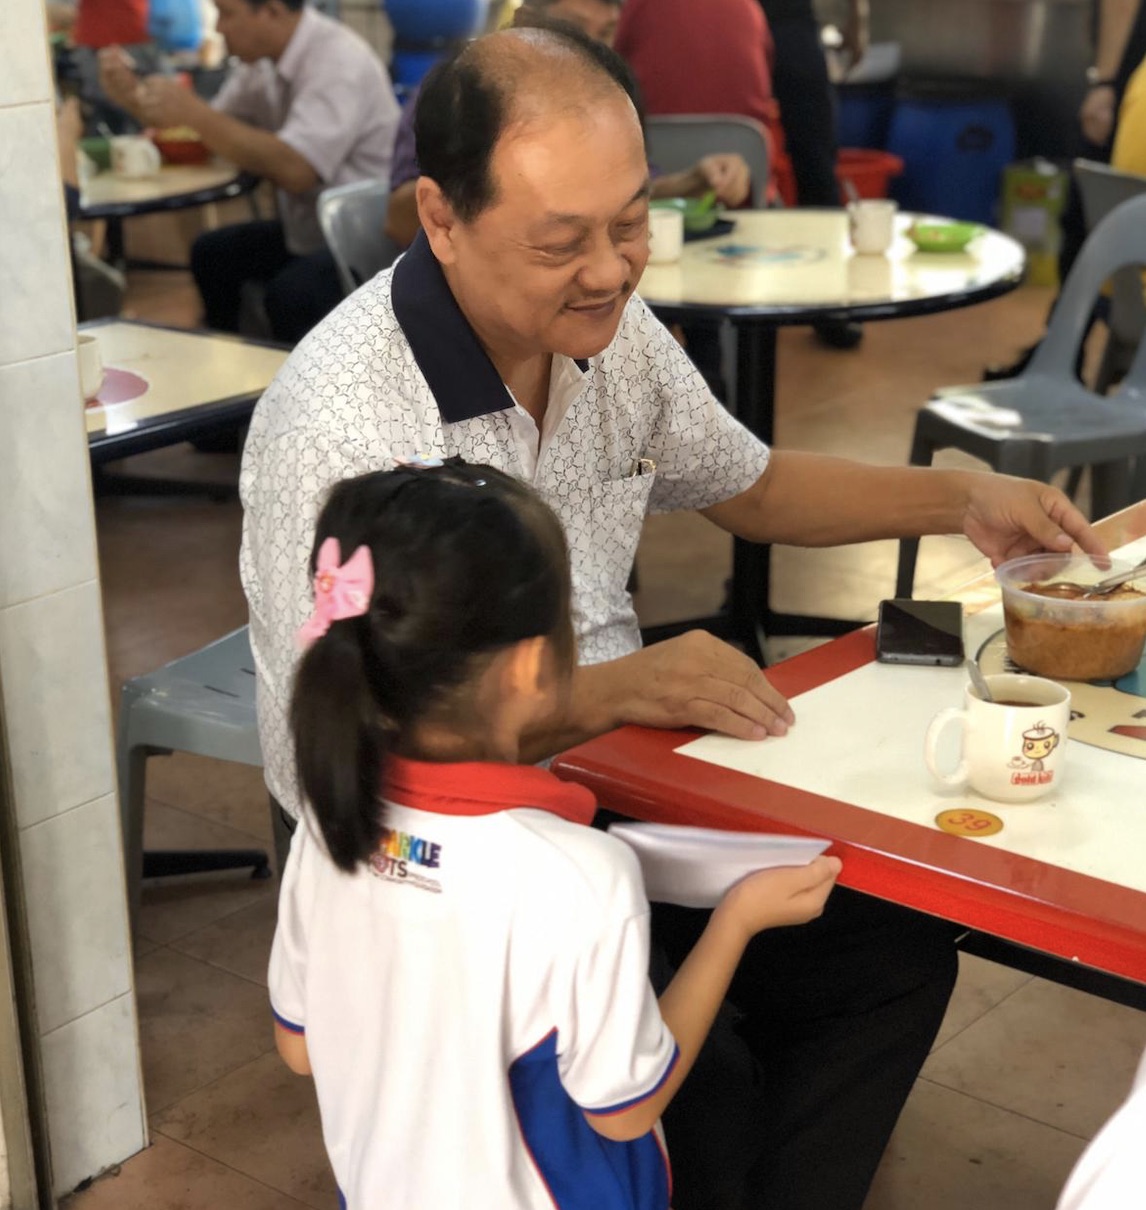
{"x": 725, "y": 173}
{"x": 309, "y": 106}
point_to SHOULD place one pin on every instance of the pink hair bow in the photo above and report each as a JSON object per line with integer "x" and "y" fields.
{"x": 341, "y": 590}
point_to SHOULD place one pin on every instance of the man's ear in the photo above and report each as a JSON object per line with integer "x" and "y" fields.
{"x": 437, "y": 218}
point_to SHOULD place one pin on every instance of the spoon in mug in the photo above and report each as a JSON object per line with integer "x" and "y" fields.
{"x": 979, "y": 681}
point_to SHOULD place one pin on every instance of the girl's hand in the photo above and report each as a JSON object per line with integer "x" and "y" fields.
{"x": 774, "y": 898}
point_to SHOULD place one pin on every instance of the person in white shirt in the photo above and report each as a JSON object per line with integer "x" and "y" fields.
{"x": 510, "y": 334}
{"x": 460, "y": 961}
{"x": 308, "y": 105}
{"x": 1111, "y": 1172}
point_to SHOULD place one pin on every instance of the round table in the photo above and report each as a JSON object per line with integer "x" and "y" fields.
{"x": 173, "y": 187}
{"x": 787, "y": 267}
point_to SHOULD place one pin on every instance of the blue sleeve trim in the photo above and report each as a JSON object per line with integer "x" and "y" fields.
{"x": 290, "y": 1026}
{"x": 610, "y": 1110}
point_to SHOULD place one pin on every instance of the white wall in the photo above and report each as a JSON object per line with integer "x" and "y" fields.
{"x": 53, "y": 677}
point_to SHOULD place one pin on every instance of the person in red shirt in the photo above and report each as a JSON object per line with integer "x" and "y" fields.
{"x": 723, "y": 46}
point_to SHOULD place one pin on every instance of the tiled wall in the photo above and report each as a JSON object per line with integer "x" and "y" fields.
{"x": 53, "y": 674}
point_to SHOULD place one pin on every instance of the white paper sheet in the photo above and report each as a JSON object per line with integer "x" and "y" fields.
{"x": 693, "y": 867}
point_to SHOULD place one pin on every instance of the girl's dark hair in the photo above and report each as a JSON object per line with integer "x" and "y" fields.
{"x": 463, "y": 106}
{"x": 467, "y": 561}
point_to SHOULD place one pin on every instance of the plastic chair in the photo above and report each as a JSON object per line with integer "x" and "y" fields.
{"x": 1103, "y": 189}
{"x": 203, "y": 703}
{"x": 352, "y": 218}
{"x": 675, "y": 142}
{"x": 1046, "y": 419}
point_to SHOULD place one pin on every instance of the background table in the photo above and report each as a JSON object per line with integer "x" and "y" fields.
{"x": 1069, "y": 925}
{"x": 792, "y": 267}
{"x": 174, "y": 187}
{"x": 183, "y": 385}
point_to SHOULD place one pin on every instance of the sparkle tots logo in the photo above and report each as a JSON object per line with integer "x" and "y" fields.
{"x": 403, "y": 858}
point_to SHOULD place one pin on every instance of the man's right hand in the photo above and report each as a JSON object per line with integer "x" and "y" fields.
{"x": 696, "y": 680}
{"x": 117, "y": 76}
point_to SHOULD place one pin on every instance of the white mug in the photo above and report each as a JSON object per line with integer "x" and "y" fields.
{"x": 871, "y": 223}
{"x": 91, "y": 365}
{"x": 1010, "y": 752}
{"x": 666, "y": 234}
{"x": 132, "y": 155}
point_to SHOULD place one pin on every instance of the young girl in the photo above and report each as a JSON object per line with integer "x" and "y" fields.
{"x": 460, "y": 959}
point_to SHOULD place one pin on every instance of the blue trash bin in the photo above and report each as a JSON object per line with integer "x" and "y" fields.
{"x": 954, "y": 145}
{"x": 431, "y": 20}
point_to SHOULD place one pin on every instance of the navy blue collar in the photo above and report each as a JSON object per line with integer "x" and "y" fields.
{"x": 460, "y": 375}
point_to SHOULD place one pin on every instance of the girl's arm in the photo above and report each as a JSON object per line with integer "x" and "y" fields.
{"x": 768, "y": 899}
{"x": 292, "y": 1050}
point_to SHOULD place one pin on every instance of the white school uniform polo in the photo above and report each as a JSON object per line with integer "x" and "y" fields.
{"x": 470, "y": 993}
{"x": 396, "y": 371}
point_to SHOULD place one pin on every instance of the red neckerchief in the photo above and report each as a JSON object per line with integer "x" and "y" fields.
{"x": 483, "y": 788}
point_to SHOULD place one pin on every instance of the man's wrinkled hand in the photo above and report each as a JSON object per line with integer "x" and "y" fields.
{"x": 697, "y": 680}
{"x": 1007, "y": 517}
{"x": 728, "y": 175}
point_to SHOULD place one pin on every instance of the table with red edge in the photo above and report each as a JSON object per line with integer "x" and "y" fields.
{"x": 1067, "y": 926}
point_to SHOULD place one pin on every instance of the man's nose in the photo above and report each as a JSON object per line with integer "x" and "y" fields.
{"x": 605, "y": 269}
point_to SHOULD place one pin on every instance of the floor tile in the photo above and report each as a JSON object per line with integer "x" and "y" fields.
{"x": 196, "y": 1023}
{"x": 239, "y": 943}
{"x": 261, "y": 1120}
{"x": 174, "y": 907}
{"x": 952, "y": 1152}
{"x": 228, "y": 793}
{"x": 981, "y": 986}
{"x": 1051, "y": 1053}
{"x": 168, "y": 1176}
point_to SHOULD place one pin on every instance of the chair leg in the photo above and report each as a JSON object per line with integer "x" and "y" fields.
{"x": 132, "y": 769}
{"x": 1110, "y": 484}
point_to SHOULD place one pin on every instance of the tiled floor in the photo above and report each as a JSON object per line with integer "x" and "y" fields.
{"x": 1023, "y": 1072}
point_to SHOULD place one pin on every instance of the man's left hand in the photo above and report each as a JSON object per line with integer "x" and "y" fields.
{"x": 728, "y": 175}
{"x": 163, "y": 101}
{"x": 1007, "y": 517}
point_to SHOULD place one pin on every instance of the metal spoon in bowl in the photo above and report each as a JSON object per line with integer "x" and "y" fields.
{"x": 1116, "y": 581}
{"x": 979, "y": 681}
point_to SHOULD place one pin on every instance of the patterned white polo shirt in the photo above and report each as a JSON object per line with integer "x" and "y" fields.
{"x": 397, "y": 371}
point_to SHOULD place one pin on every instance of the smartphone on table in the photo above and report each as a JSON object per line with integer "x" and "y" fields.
{"x": 919, "y": 632}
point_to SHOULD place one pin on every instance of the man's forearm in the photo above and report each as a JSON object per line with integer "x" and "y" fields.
{"x": 255, "y": 151}
{"x": 816, "y": 500}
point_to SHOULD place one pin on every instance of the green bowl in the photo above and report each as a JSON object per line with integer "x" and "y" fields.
{"x": 942, "y": 237}
{"x": 98, "y": 151}
{"x": 699, "y": 213}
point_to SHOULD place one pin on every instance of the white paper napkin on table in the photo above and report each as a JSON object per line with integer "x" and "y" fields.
{"x": 693, "y": 867}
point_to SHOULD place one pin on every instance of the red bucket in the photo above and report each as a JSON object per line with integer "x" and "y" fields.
{"x": 870, "y": 172}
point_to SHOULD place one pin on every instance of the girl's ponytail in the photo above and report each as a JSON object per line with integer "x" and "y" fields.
{"x": 340, "y": 741}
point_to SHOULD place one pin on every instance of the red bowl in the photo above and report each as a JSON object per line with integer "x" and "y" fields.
{"x": 182, "y": 151}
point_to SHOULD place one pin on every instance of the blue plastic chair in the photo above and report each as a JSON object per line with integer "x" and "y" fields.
{"x": 1046, "y": 420}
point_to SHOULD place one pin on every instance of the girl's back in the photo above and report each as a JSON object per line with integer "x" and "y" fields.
{"x": 470, "y": 992}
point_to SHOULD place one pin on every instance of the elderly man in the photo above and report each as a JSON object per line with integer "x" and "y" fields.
{"x": 510, "y": 334}
{"x": 309, "y": 106}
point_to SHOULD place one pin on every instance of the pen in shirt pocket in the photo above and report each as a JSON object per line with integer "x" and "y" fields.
{"x": 643, "y": 466}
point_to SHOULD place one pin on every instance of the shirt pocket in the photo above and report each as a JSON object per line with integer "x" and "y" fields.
{"x": 607, "y": 549}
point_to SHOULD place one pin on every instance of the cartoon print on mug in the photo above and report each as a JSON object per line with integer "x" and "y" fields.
{"x": 1039, "y": 742}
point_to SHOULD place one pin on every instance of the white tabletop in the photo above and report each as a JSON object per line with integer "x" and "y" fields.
{"x": 170, "y": 182}
{"x": 783, "y": 262}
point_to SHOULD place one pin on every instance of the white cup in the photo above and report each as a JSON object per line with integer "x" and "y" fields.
{"x": 133, "y": 156}
{"x": 91, "y": 365}
{"x": 666, "y": 234}
{"x": 1011, "y": 753}
{"x": 871, "y": 223}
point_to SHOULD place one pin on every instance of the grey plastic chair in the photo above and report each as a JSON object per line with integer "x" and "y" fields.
{"x": 1103, "y": 189}
{"x": 352, "y": 218}
{"x": 1046, "y": 419}
{"x": 203, "y": 703}
{"x": 675, "y": 142}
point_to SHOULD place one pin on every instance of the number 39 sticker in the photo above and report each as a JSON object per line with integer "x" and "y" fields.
{"x": 963, "y": 821}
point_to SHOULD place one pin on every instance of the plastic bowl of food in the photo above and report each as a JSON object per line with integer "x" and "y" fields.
{"x": 942, "y": 237}
{"x": 181, "y": 145}
{"x": 1055, "y": 630}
